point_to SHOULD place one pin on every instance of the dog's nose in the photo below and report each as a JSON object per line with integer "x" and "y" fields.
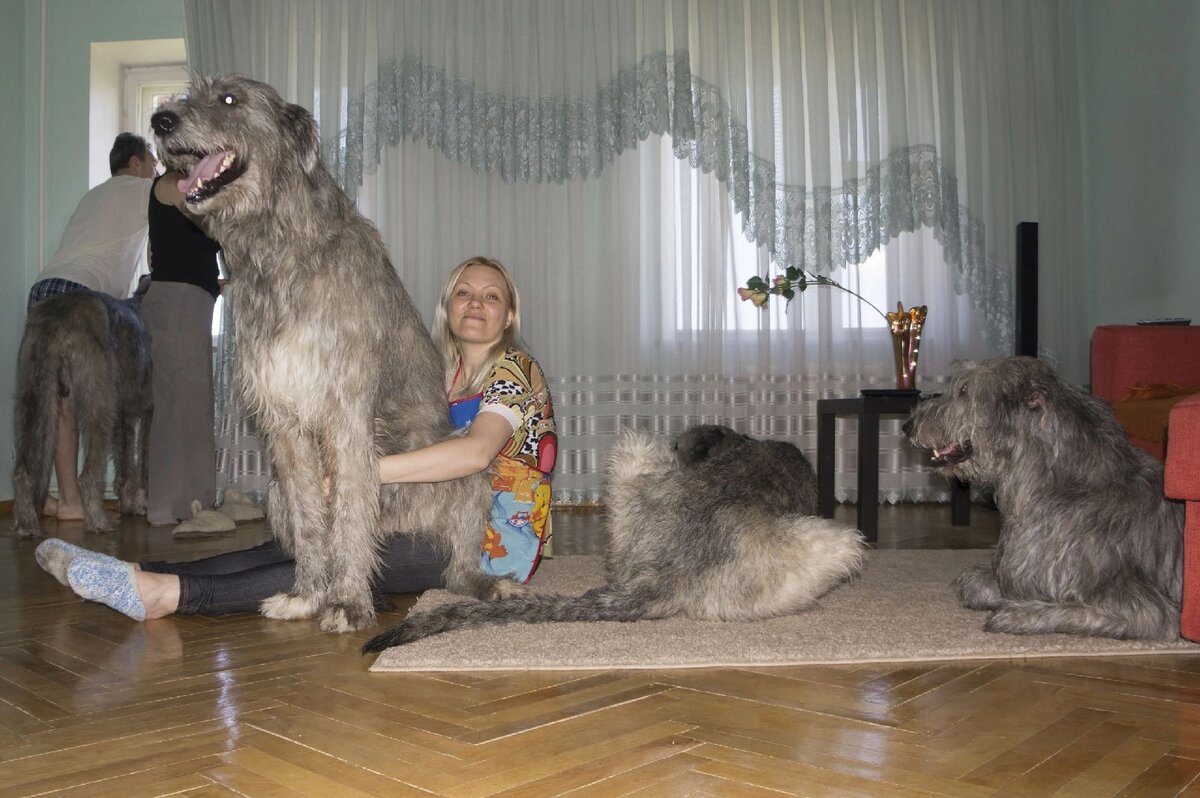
{"x": 164, "y": 122}
{"x": 907, "y": 428}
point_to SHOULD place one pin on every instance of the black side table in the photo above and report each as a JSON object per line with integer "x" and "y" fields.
{"x": 869, "y": 408}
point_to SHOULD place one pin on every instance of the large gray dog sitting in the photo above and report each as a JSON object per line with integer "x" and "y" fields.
{"x": 91, "y": 351}
{"x": 1088, "y": 544}
{"x": 332, "y": 356}
{"x": 721, "y": 528}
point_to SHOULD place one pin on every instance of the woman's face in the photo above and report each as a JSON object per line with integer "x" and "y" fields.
{"x": 480, "y": 309}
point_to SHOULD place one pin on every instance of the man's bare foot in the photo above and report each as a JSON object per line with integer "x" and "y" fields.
{"x": 159, "y": 592}
{"x": 50, "y": 508}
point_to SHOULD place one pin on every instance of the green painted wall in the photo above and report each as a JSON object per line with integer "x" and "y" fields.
{"x": 1140, "y": 83}
{"x": 15, "y": 209}
{"x": 71, "y": 27}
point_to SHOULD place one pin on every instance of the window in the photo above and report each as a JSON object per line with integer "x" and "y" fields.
{"x": 709, "y": 268}
{"x": 146, "y": 88}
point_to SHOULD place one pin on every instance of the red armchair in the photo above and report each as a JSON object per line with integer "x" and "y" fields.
{"x": 1124, "y": 356}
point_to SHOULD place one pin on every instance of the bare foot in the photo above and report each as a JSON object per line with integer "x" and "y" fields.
{"x": 159, "y": 592}
{"x": 69, "y": 512}
{"x": 50, "y": 508}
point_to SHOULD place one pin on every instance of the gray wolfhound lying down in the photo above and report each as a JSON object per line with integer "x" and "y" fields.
{"x": 93, "y": 352}
{"x": 1088, "y": 545}
{"x": 333, "y": 358}
{"x": 792, "y": 484}
{"x": 720, "y": 529}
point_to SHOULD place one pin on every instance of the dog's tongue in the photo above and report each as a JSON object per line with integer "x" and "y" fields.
{"x": 206, "y": 170}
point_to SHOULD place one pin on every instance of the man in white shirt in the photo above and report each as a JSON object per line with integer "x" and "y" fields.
{"x": 100, "y": 250}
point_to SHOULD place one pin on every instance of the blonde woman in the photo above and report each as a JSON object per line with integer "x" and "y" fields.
{"x": 498, "y": 394}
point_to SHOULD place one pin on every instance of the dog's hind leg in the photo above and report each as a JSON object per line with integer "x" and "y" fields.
{"x": 120, "y": 445}
{"x": 978, "y": 589}
{"x": 135, "y": 408}
{"x": 143, "y": 455}
{"x": 128, "y": 460}
{"x": 281, "y": 529}
{"x": 351, "y": 558}
{"x": 35, "y": 428}
{"x": 91, "y": 398}
{"x": 129, "y": 455}
{"x": 297, "y": 505}
{"x": 1133, "y": 611}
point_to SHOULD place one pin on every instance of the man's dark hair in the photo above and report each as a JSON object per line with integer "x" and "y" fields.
{"x": 126, "y": 146}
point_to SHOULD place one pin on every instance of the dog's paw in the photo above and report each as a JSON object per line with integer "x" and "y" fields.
{"x": 133, "y": 503}
{"x": 503, "y": 588}
{"x": 1017, "y": 621}
{"x": 342, "y": 618}
{"x": 977, "y": 603}
{"x": 286, "y": 607}
{"x": 26, "y": 521}
{"x": 26, "y": 530}
{"x": 99, "y": 524}
{"x": 476, "y": 584}
{"x": 977, "y": 588}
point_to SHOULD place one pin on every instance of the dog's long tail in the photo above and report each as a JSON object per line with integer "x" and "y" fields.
{"x": 606, "y": 603}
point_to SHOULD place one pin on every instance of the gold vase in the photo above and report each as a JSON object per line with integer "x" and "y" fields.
{"x": 906, "y": 328}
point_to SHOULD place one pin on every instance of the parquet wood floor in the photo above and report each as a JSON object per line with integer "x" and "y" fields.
{"x": 92, "y": 704}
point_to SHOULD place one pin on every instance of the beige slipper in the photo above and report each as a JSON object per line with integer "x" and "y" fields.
{"x": 204, "y": 523}
{"x": 240, "y": 507}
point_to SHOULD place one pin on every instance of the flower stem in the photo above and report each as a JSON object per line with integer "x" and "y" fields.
{"x": 822, "y": 280}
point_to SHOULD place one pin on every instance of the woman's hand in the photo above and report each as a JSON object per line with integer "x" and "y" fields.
{"x": 448, "y": 459}
{"x": 451, "y": 458}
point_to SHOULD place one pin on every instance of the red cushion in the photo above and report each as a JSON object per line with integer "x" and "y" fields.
{"x": 1145, "y": 419}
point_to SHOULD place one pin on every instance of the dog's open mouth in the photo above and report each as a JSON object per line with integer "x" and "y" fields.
{"x": 211, "y": 173}
{"x": 953, "y": 454}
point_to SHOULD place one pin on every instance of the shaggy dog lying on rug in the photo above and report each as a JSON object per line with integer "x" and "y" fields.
{"x": 719, "y": 529}
{"x": 1088, "y": 544}
{"x": 93, "y": 352}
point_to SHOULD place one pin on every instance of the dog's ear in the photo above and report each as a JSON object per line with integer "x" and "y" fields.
{"x": 1040, "y": 386}
{"x": 1035, "y": 392}
{"x": 303, "y": 128}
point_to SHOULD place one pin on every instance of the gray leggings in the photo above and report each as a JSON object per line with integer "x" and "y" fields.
{"x": 238, "y": 581}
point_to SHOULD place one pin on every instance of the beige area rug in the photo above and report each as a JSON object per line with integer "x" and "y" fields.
{"x": 901, "y": 608}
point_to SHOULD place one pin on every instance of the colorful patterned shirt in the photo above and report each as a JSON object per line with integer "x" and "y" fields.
{"x": 520, "y": 519}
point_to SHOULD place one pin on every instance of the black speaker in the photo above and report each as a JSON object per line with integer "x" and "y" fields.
{"x": 1027, "y": 289}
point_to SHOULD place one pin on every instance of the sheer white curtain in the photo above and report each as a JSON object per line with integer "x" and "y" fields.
{"x": 634, "y": 162}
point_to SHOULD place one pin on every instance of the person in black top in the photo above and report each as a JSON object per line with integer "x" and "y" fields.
{"x": 178, "y": 311}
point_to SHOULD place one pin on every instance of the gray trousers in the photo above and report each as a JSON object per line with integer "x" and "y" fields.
{"x": 182, "y": 458}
